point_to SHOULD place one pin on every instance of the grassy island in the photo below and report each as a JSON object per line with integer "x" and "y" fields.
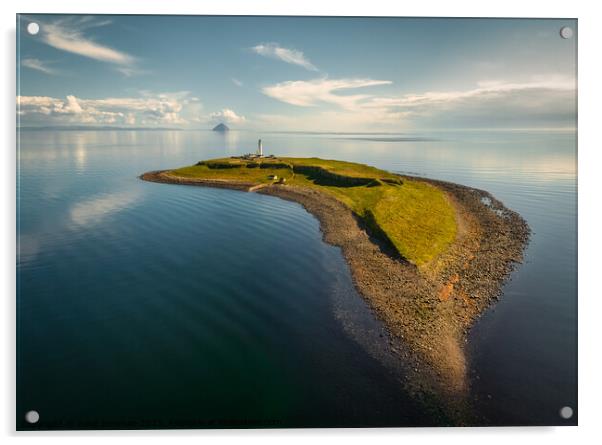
{"x": 428, "y": 256}
{"x": 413, "y": 216}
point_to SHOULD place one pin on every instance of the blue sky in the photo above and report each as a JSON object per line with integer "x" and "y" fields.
{"x": 296, "y": 73}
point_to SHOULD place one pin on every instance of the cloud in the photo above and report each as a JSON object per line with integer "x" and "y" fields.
{"x": 236, "y": 82}
{"x": 179, "y": 108}
{"x": 226, "y": 115}
{"x": 292, "y": 56}
{"x": 320, "y": 91}
{"x": 68, "y": 35}
{"x": 38, "y": 65}
{"x": 540, "y": 100}
{"x": 485, "y": 91}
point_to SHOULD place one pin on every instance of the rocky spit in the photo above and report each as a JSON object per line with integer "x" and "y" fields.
{"x": 426, "y": 310}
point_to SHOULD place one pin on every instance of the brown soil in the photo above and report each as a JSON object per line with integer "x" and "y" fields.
{"x": 427, "y": 310}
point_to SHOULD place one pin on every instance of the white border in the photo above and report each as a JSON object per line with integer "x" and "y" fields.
{"x": 590, "y": 121}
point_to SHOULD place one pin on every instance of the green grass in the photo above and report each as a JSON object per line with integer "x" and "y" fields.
{"x": 418, "y": 219}
{"x": 342, "y": 167}
{"x": 415, "y": 217}
{"x": 255, "y": 175}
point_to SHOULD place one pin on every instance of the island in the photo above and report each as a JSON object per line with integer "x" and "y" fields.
{"x": 428, "y": 256}
{"x": 222, "y": 128}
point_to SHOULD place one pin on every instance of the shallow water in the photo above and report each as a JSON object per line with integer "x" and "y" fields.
{"x": 145, "y": 304}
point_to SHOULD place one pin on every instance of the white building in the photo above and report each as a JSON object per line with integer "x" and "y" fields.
{"x": 259, "y": 148}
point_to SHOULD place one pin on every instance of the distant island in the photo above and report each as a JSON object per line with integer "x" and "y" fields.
{"x": 428, "y": 256}
{"x": 221, "y": 127}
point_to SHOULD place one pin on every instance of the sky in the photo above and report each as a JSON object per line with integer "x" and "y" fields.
{"x": 296, "y": 73}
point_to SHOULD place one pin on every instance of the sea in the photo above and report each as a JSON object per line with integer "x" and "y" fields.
{"x": 145, "y": 305}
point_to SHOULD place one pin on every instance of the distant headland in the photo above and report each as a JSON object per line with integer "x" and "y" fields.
{"x": 428, "y": 256}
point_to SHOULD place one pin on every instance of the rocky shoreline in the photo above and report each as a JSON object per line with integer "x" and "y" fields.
{"x": 427, "y": 310}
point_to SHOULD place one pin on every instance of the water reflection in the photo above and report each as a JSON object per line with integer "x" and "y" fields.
{"x": 93, "y": 210}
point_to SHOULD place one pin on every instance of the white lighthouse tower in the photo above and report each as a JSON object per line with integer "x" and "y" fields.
{"x": 259, "y": 148}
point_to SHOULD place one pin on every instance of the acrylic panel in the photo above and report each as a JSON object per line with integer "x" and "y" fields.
{"x": 293, "y": 222}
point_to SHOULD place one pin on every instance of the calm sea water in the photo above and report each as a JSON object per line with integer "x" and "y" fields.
{"x": 152, "y": 305}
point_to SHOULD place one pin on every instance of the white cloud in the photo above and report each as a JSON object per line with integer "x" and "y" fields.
{"x": 148, "y": 109}
{"x": 38, "y": 65}
{"x": 320, "y": 91}
{"x": 486, "y": 90}
{"x": 331, "y": 104}
{"x": 236, "y": 82}
{"x": 287, "y": 55}
{"x": 538, "y": 100}
{"x": 130, "y": 119}
{"x": 226, "y": 115}
{"x": 68, "y": 35}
